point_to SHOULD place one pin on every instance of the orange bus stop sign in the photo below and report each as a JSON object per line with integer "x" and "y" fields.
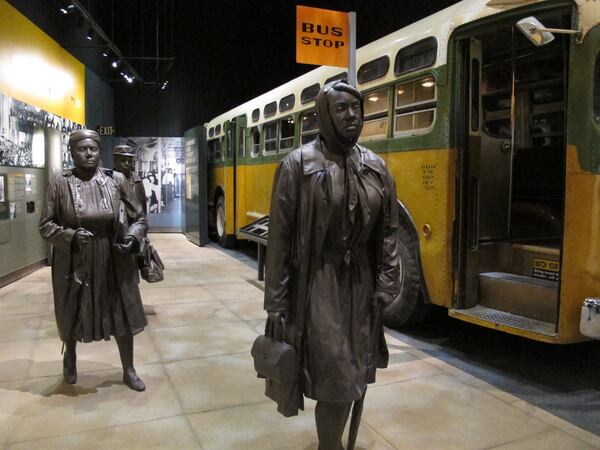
{"x": 322, "y": 37}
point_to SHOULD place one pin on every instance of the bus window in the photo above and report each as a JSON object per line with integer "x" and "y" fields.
{"x": 373, "y": 69}
{"x": 309, "y": 126}
{"x": 286, "y": 140}
{"x": 271, "y": 134}
{"x": 218, "y": 129}
{"x": 254, "y": 142}
{"x": 376, "y": 114}
{"x": 309, "y": 93}
{"x": 217, "y": 149}
{"x": 211, "y": 132}
{"x": 287, "y": 103}
{"x": 339, "y": 76}
{"x": 242, "y": 142}
{"x": 415, "y": 106}
{"x": 211, "y": 150}
{"x": 416, "y": 56}
{"x": 255, "y": 115}
{"x": 270, "y": 109}
{"x": 597, "y": 89}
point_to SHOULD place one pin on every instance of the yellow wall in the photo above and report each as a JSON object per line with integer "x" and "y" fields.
{"x": 36, "y": 70}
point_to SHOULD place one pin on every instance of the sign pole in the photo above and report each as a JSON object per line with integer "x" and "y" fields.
{"x": 352, "y": 48}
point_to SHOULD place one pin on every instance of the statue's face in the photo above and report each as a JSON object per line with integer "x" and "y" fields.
{"x": 346, "y": 115}
{"x": 124, "y": 164}
{"x": 86, "y": 154}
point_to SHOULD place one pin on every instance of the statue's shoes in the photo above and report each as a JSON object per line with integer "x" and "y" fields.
{"x": 131, "y": 379}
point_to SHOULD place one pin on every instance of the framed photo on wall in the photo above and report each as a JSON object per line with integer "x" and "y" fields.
{"x": 3, "y": 196}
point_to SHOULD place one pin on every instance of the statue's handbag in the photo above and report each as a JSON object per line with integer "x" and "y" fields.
{"x": 275, "y": 359}
{"x": 152, "y": 267}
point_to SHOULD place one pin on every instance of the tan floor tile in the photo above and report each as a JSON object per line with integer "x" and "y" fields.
{"x": 249, "y": 309}
{"x": 547, "y": 440}
{"x": 403, "y": 366}
{"x": 43, "y": 274}
{"x": 257, "y": 426}
{"x": 260, "y": 426}
{"x": 557, "y": 422}
{"x": 47, "y": 407}
{"x": 158, "y": 295}
{"x": 216, "y": 382}
{"x": 20, "y": 304}
{"x": 257, "y": 325}
{"x": 47, "y": 359}
{"x": 171, "y": 433}
{"x": 15, "y": 328}
{"x": 197, "y": 341}
{"x": 234, "y": 291}
{"x": 47, "y": 328}
{"x": 190, "y": 314}
{"x": 15, "y": 359}
{"x": 10, "y": 400}
{"x": 27, "y": 288}
{"x": 404, "y": 413}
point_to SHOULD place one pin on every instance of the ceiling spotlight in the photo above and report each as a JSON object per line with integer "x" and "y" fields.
{"x": 67, "y": 9}
{"x": 90, "y": 34}
{"x": 115, "y": 63}
{"x": 163, "y": 85}
{"x": 105, "y": 52}
{"x": 128, "y": 77}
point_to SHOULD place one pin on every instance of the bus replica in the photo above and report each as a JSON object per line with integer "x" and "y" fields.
{"x": 491, "y": 128}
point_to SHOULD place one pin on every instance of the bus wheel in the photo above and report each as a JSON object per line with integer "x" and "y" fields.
{"x": 223, "y": 238}
{"x": 408, "y": 308}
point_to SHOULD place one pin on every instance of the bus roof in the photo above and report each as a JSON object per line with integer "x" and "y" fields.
{"x": 439, "y": 25}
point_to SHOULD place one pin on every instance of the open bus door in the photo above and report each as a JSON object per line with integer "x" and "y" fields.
{"x": 511, "y": 176}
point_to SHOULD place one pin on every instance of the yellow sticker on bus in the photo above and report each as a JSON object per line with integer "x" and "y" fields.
{"x": 546, "y": 269}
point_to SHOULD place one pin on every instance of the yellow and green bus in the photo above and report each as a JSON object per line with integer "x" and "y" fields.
{"x": 491, "y": 128}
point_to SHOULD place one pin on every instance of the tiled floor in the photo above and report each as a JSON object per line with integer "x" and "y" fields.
{"x": 202, "y": 391}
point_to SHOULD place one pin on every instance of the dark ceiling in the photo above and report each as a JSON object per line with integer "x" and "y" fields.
{"x": 225, "y": 52}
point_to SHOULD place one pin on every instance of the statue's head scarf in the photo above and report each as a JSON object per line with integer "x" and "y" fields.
{"x": 326, "y": 125}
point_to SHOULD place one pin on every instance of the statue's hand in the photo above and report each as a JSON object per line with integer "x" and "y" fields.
{"x": 275, "y": 316}
{"x": 127, "y": 245}
{"x": 382, "y": 298}
{"x": 82, "y": 237}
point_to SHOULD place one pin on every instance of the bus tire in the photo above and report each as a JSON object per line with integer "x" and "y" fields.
{"x": 225, "y": 240}
{"x": 408, "y": 308}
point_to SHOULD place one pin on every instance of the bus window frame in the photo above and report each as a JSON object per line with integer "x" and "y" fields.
{"x": 376, "y": 116}
{"x": 254, "y": 148}
{"x": 292, "y": 137}
{"x": 266, "y": 152}
{"x": 416, "y": 107}
{"x": 303, "y": 134}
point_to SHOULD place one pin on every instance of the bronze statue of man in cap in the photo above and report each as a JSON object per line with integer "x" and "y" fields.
{"x": 124, "y": 162}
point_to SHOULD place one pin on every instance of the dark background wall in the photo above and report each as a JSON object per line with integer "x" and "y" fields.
{"x": 100, "y": 111}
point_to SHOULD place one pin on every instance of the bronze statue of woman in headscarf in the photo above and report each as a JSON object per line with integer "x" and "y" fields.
{"x": 95, "y": 225}
{"x": 333, "y": 260}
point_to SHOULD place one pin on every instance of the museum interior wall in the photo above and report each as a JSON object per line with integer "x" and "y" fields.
{"x": 42, "y": 99}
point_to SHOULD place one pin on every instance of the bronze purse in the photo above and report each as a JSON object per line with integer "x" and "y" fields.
{"x": 151, "y": 267}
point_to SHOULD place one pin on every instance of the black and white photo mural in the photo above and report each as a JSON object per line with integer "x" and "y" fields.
{"x": 22, "y": 134}
{"x": 160, "y": 163}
